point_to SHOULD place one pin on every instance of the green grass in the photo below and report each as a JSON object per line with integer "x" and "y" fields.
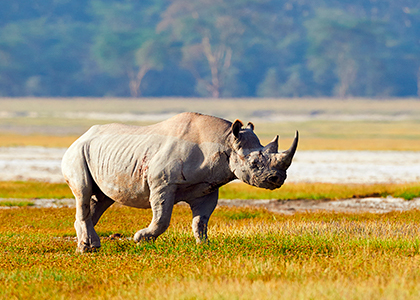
{"x": 236, "y": 190}
{"x": 317, "y": 191}
{"x": 253, "y": 254}
{"x": 18, "y": 203}
{"x": 34, "y": 189}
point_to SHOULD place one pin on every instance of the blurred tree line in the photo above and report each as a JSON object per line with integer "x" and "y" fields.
{"x": 216, "y": 48}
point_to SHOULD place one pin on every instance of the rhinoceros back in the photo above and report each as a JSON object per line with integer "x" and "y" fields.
{"x": 123, "y": 160}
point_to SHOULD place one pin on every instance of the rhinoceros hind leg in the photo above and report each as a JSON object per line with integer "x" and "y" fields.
{"x": 87, "y": 238}
{"x": 202, "y": 208}
{"x": 77, "y": 175}
{"x": 162, "y": 203}
{"x": 98, "y": 205}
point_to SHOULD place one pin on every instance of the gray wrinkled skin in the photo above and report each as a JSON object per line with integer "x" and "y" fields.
{"x": 186, "y": 158}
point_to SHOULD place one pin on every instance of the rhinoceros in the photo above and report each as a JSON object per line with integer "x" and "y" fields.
{"x": 185, "y": 158}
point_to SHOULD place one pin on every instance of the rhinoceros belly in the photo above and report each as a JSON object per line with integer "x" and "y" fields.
{"x": 126, "y": 191}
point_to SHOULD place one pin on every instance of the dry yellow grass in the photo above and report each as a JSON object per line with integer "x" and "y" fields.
{"x": 13, "y": 140}
{"x": 253, "y": 254}
{"x": 17, "y": 140}
{"x": 43, "y": 121}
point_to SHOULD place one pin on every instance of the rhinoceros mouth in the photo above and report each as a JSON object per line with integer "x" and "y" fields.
{"x": 272, "y": 181}
{"x": 270, "y": 186}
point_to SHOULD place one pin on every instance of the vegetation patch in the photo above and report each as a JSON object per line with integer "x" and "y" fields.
{"x": 34, "y": 189}
{"x": 19, "y": 203}
{"x": 241, "y": 214}
{"x": 236, "y": 190}
{"x": 314, "y": 135}
{"x": 265, "y": 256}
{"x": 317, "y": 191}
{"x": 20, "y": 140}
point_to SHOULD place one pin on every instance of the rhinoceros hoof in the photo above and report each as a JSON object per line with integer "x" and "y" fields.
{"x": 83, "y": 248}
{"x": 204, "y": 241}
{"x": 143, "y": 236}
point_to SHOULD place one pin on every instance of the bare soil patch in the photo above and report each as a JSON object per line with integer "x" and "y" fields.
{"x": 288, "y": 207}
{"x": 371, "y": 205}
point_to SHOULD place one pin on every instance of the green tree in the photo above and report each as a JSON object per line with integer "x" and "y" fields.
{"x": 125, "y": 44}
{"x": 217, "y": 48}
{"x": 351, "y": 47}
{"x": 209, "y": 31}
{"x": 41, "y": 58}
{"x": 269, "y": 87}
{"x": 42, "y": 48}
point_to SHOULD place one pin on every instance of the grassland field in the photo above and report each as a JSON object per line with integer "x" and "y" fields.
{"x": 252, "y": 253}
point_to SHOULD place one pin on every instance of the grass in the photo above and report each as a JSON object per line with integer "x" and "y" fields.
{"x": 34, "y": 189}
{"x": 237, "y": 190}
{"x": 43, "y": 121}
{"x": 253, "y": 254}
{"x": 19, "y": 140}
{"x": 317, "y": 191}
{"x": 16, "y": 203}
{"x": 305, "y": 143}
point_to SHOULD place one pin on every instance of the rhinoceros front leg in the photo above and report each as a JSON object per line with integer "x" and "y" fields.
{"x": 202, "y": 208}
{"x": 162, "y": 203}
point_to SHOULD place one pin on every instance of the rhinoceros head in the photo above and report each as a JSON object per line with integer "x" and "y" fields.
{"x": 257, "y": 165}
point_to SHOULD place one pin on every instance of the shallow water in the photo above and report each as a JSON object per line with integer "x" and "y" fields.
{"x": 31, "y": 163}
{"x": 355, "y": 166}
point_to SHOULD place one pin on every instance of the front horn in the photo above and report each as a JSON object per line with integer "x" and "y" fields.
{"x": 285, "y": 158}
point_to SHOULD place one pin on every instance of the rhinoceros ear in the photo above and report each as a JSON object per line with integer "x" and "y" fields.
{"x": 273, "y": 146}
{"x": 236, "y": 127}
{"x": 250, "y": 126}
